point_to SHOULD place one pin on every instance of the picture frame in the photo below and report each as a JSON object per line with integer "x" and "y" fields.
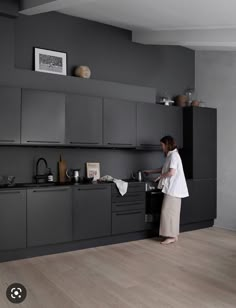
{"x": 93, "y": 170}
{"x": 50, "y": 61}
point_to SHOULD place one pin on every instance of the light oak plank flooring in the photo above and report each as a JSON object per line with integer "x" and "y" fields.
{"x": 199, "y": 271}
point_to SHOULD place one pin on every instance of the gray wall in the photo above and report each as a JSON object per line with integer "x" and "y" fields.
{"x": 112, "y": 57}
{"x": 107, "y": 50}
{"x": 215, "y": 84}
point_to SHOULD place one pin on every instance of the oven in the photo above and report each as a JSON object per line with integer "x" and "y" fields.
{"x": 154, "y": 198}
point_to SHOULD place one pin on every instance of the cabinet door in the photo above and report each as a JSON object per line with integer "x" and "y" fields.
{"x": 204, "y": 143}
{"x": 201, "y": 203}
{"x": 172, "y": 123}
{"x": 83, "y": 120}
{"x": 43, "y": 117}
{"x": 128, "y": 221}
{"x": 10, "y": 106}
{"x": 149, "y": 125}
{"x": 49, "y": 216}
{"x": 91, "y": 211}
{"x": 12, "y": 219}
{"x": 119, "y": 123}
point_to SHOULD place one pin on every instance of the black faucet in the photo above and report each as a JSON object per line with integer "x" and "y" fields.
{"x": 41, "y": 176}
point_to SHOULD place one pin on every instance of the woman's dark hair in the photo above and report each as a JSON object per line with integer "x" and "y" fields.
{"x": 169, "y": 142}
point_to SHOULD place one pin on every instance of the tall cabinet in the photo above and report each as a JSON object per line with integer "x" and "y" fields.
{"x": 199, "y": 161}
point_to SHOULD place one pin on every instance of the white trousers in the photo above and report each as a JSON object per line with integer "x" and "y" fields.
{"x": 170, "y": 216}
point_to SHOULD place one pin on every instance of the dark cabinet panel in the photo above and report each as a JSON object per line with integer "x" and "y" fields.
{"x": 83, "y": 120}
{"x": 12, "y": 219}
{"x": 10, "y": 106}
{"x": 91, "y": 211}
{"x": 156, "y": 121}
{"x": 201, "y": 203}
{"x": 128, "y": 221}
{"x": 119, "y": 123}
{"x": 149, "y": 125}
{"x": 43, "y": 117}
{"x": 172, "y": 123}
{"x": 200, "y": 142}
{"x": 49, "y": 216}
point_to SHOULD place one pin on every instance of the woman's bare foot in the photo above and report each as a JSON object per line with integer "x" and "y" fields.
{"x": 169, "y": 240}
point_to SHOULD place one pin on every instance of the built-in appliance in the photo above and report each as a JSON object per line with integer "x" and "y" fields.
{"x": 154, "y": 198}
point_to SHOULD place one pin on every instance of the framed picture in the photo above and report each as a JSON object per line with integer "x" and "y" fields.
{"x": 93, "y": 170}
{"x": 50, "y": 61}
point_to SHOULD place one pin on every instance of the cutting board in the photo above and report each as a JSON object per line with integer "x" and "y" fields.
{"x": 62, "y": 170}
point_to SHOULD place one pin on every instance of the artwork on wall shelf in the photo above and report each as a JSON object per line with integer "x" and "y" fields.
{"x": 50, "y": 61}
{"x": 93, "y": 170}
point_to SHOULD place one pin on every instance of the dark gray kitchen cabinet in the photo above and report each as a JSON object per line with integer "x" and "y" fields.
{"x": 149, "y": 126}
{"x": 201, "y": 203}
{"x": 119, "y": 123}
{"x": 156, "y": 121}
{"x": 83, "y": 120}
{"x": 200, "y": 142}
{"x": 10, "y": 115}
{"x": 49, "y": 216}
{"x": 12, "y": 219}
{"x": 128, "y": 221}
{"x": 91, "y": 211}
{"x": 43, "y": 117}
{"x": 171, "y": 119}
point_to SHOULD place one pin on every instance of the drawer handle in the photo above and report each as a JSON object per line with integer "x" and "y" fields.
{"x": 7, "y": 140}
{"x": 95, "y": 188}
{"x": 37, "y": 141}
{"x": 10, "y": 192}
{"x": 129, "y": 203}
{"x": 75, "y": 142}
{"x": 130, "y": 213}
{"x": 50, "y": 190}
{"x": 150, "y": 145}
{"x": 112, "y": 143}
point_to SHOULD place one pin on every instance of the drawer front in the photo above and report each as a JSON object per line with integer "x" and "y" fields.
{"x": 130, "y": 197}
{"x": 134, "y": 187}
{"x": 128, "y": 221}
{"x": 125, "y": 206}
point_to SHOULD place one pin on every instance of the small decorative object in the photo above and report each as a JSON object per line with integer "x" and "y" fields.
{"x": 166, "y": 101}
{"x": 83, "y": 71}
{"x": 181, "y": 100}
{"x": 93, "y": 170}
{"x": 50, "y": 61}
{"x": 189, "y": 94}
{"x": 195, "y": 103}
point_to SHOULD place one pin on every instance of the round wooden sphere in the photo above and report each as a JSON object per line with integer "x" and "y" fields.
{"x": 83, "y": 71}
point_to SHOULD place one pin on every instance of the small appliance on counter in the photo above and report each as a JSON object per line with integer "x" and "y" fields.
{"x": 73, "y": 175}
{"x": 138, "y": 176}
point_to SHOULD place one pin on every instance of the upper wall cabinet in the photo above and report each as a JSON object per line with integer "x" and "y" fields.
{"x": 43, "y": 117}
{"x": 119, "y": 123}
{"x": 171, "y": 119}
{"x": 156, "y": 121}
{"x": 200, "y": 136}
{"x": 10, "y": 105}
{"x": 83, "y": 120}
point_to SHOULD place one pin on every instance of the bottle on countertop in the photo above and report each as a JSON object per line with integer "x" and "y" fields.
{"x": 50, "y": 175}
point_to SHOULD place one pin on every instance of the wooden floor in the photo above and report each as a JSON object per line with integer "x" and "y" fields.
{"x": 198, "y": 271}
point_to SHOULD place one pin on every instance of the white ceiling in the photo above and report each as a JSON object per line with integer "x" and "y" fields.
{"x": 163, "y": 18}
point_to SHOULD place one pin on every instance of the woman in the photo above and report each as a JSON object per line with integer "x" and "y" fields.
{"x": 173, "y": 184}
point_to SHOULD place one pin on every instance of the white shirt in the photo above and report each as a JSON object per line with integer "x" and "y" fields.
{"x": 175, "y": 185}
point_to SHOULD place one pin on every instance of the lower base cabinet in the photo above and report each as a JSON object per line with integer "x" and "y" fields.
{"x": 91, "y": 211}
{"x": 128, "y": 221}
{"x": 201, "y": 203}
{"x": 12, "y": 219}
{"x": 49, "y": 216}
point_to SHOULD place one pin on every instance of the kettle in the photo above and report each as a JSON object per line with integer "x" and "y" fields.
{"x": 73, "y": 175}
{"x": 138, "y": 176}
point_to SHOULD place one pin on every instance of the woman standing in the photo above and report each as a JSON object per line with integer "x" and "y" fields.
{"x": 172, "y": 182}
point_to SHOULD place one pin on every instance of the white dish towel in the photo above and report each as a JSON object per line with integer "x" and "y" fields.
{"x": 122, "y": 186}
